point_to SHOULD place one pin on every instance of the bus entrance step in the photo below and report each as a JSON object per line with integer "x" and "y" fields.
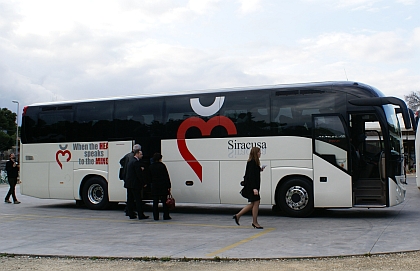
{"x": 368, "y": 183}
{"x": 369, "y": 200}
{"x": 369, "y": 192}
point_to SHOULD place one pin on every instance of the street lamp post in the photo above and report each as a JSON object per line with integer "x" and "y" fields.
{"x": 17, "y": 129}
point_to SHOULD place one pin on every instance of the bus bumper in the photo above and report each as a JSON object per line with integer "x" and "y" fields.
{"x": 397, "y": 190}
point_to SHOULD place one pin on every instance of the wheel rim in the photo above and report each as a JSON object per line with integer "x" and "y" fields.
{"x": 297, "y": 197}
{"x": 96, "y": 193}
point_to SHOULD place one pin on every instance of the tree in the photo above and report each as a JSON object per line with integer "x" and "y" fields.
{"x": 7, "y": 129}
{"x": 413, "y": 100}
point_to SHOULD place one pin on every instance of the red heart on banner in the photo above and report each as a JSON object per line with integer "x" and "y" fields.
{"x": 205, "y": 128}
{"x": 63, "y": 153}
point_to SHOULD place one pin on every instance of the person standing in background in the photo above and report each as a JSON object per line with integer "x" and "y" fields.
{"x": 135, "y": 182}
{"x": 123, "y": 170}
{"x": 12, "y": 169}
{"x": 161, "y": 186}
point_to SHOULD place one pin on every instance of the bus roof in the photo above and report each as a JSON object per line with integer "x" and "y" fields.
{"x": 372, "y": 91}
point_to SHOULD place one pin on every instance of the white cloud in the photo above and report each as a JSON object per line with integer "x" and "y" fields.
{"x": 407, "y": 2}
{"x": 203, "y": 6}
{"x": 134, "y": 47}
{"x": 387, "y": 47}
{"x": 106, "y": 17}
{"x": 249, "y": 6}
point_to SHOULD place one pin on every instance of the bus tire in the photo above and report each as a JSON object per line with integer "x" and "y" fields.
{"x": 276, "y": 210}
{"x": 295, "y": 197}
{"x": 95, "y": 193}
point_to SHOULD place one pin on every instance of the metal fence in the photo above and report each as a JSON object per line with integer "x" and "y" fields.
{"x": 3, "y": 175}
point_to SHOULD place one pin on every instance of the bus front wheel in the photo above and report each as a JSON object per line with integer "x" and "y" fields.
{"x": 295, "y": 197}
{"x": 95, "y": 193}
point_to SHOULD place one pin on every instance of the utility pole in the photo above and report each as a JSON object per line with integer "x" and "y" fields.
{"x": 17, "y": 129}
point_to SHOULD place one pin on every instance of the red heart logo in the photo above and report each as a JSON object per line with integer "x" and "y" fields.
{"x": 205, "y": 128}
{"x": 63, "y": 153}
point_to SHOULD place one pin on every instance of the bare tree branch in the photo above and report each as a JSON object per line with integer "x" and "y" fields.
{"x": 413, "y": 100}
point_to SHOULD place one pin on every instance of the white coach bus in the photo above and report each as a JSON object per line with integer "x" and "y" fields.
{"x": 311, "y": 137}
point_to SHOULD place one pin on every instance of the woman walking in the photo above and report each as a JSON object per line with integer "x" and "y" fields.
{"x": 252, "y": 187}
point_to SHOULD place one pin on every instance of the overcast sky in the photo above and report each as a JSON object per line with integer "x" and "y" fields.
{"x": 65, "y": 50}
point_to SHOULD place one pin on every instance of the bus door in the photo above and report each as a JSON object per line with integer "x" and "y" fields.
{"x": 332, "y": 178}
{"x": 60, "y": 184}
{"x": 367, "y": 160}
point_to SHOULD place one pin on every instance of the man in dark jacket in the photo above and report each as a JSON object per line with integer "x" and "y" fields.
{"x": 134, "y": 182}
{"x": 12, "y": 169}
{"x": 124, "y": 163}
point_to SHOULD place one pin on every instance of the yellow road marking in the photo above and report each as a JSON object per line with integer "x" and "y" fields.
{"x": 29, "y": 216}
{"x": 240, "y": 242}
{"x": 265, "y": 231}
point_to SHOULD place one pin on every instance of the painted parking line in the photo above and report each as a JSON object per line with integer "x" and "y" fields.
{"x": 12, "y": 217}
{"x": 215, "y": 253}
{"x": 32, "y": 217}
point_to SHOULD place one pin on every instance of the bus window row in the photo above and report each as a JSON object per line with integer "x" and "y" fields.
{"x": 254, "y": 113}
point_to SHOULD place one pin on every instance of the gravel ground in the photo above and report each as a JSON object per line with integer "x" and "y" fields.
{"x": 395, "y": 261}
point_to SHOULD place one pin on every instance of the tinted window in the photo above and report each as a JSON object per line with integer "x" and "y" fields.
{"x": 179, "y": 108}
{"x": 93, "y": 121}
{"x": 55, "y": 126}
{"x": 138, "y": 118}
{"x": 29, "y": 122}
{"x": 291, "y": 113}
{"x": 330, "y": 140}
{"x": 330, "y": 129}
{"x": 249, "y": 111}
{"x": 47, "y": 124}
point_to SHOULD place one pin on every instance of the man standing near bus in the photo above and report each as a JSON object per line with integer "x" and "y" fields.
{"x": 12, "y": 169}
{"x": 123, "y": 172}
{"x": 135, "y": 182}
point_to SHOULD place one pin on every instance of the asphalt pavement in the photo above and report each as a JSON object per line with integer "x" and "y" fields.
{"x": 58, "y": 227}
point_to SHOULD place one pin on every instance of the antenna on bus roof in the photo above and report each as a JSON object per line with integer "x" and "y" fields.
{"x": 346, "y": 74}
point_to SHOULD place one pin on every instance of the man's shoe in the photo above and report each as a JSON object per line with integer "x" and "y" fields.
{"x": 7, "y": 201}
{"x": 167, "y": 218}
{"x": 16, "y": 202}
{"x": 133, "y": 216}
{"x": 143, "y": 217}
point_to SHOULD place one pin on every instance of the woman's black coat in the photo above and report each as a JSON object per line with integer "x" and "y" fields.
{"x": 252, "y": 179}
{"x": 160, "y": 179}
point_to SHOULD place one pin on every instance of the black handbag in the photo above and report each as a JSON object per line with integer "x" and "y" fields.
{"x": 121, "y": 174}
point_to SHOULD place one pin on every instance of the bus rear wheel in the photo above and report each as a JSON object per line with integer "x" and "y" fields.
{"x": 95, "y": 193}
{"x": 295, "y": 197}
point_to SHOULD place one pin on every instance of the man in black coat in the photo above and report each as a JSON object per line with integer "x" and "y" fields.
{"x": 134, "y": 182}
{"x": 123, "y": 171}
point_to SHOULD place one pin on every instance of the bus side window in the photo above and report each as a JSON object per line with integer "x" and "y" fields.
{"x": 248, "y": 112}
{"x": 94, "y": 120}
{"x": 138, "y": 118}
{"x": 55, "y": 127}
{"x": 330, "y": 140}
